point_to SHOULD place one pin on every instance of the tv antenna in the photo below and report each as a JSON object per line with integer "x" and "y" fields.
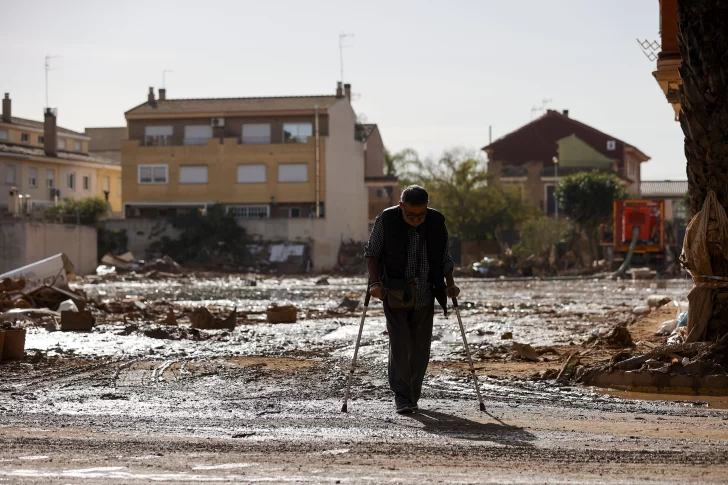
{"x": 341, "y": 53}
{"x": 650, "y": 49}
{"x": 47, "y": 69}
{"x": 164, "y": 78}
{"x": 541, "y": 109}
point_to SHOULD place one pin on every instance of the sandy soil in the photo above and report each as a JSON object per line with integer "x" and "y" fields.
{"x": 262, "y": 403}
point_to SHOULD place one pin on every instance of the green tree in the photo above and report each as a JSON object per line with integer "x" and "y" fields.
{"x": 87, "y": 211}
{"x": 459, "y": 188}
{"x": 212, "y": 238}
{"x": 540, "y": 235}
{"x": 587, "y": 198}
{"x": 403, "y": 164}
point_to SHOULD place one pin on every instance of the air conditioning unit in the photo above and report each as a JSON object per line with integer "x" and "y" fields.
{"x": 218, "y": 122}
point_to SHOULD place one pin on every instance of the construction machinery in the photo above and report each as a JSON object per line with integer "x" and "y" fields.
{"x": 643, "y": 220}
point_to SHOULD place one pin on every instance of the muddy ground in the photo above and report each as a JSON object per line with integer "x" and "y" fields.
{"x": 262, "y": 403}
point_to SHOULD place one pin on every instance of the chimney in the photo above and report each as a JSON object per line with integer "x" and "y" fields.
{"x": 50, "y": 133}
{"x": 7, "y": 109}
{"x": 339, "y": 90}
{"x": 150, "y": 97}
{"x": 566, "y": 113}
{"x": 162, "y": 94}
{"x": 347, "y": 90}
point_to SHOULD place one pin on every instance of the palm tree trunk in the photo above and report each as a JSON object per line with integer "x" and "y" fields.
{"x": 703, "y": 41}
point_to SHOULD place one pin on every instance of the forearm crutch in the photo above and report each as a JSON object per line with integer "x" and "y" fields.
{"x": 356, "y": 352}
{"x": 467, "y": 351}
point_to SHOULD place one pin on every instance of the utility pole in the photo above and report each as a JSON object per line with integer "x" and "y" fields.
{"x": 48, "y": 68}
{"x": 164, "y": 74}
{"x": 341, "y": 53}
{"x": 556, "y": 186}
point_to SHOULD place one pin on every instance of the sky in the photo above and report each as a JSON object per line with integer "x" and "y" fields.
{"x": 434, "y": 75}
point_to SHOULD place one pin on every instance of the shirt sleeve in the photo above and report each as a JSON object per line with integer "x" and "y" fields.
{"x": 376, "y": 240}
{"x": 447, "y": 262}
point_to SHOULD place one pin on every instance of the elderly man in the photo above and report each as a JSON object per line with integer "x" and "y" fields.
{"x": 409, "y": 267}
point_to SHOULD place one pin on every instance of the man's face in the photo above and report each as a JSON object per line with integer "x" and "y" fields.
{"x": 414, "y": 215}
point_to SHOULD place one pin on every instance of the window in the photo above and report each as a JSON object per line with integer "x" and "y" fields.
{"x": 197, "y": 135}
{"x": 3, "y": 134}
{"x": 251, "y": 174}
{"x": 10, "y": 175}
{"x": 50, "y": 178}
{"x": 76, "y": 146}
{"x": 61, "y": 144}
{"x": 72, "y": 181}
{"x": 32, "y": 177}
{"x": 295, "y": 212}
{"x": 158, "y": 135}
{"x": 106, "y": 183}
{"x": 293, "y": 172}
{"x": 152, "y": 174}
{"x": 296, "y": 132}
{"x": 256, "y": 133}
{"x": 193, "y": 175}
{"x": 41, "y": 139}
{"x": 611, "y": 145}
{"x": 24, "y": 137}
{"x": 249, "y": 211}
{"x": 86, "y": 182}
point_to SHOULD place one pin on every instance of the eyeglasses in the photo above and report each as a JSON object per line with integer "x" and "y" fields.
{"x": 415, "y": 217}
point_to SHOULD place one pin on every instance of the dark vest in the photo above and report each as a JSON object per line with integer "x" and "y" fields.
{"x": 395, "y": 247}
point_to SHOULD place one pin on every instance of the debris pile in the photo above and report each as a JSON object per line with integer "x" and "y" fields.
{"x": 126, "y": 264}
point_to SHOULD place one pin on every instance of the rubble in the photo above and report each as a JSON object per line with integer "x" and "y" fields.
{"x": 282, "y": 314}
{"x": 201, "y": 318}
{"x": 76, "y": 321}
{"x": 13, "y": 343}
{"x": 656, "y": 301}
{"x": 525, "y": 351}
{"x": 350, "y": 302}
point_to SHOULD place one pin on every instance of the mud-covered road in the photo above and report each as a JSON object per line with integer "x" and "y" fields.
{"x": 262, "y": 403}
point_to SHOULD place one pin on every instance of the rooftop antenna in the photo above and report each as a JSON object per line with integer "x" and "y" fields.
{"x": 48, "y": 68}
{"x": 341, "y": 53}
{"x": 541, "y": 109}
{"x": 164, "y": 78}
{"x": 649, "y": 49}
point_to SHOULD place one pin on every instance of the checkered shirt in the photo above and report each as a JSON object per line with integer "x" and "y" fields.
{"x": 424, "y": 288}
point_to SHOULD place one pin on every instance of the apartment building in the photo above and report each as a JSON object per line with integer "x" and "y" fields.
{"x": 289, "y": 168}
{"x": 525, "y": 158}
{"x": 43, "y": 163}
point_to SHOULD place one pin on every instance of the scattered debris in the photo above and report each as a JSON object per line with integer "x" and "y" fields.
{"x": 525, "y": 351}
{"x": 163, "y": 265}
{"x": 202, "y": 319}
{"x": 641, "y": 310}
{"x": 13, "y": 346}
{"x": 67, "y": 306}
{"x": 656, "y": 301}
{"x": 507, "y": 336}
{"x": 667, "y": 327}
{"x": 322, "y": 281}
{"x": 75, "y": 321}
{"x": 171, "y": 318}
{"x": 282, "y": 314}
{"x": 121, "y": 263}
{"x": 350, "y": 302}
{"x": 51, "y": 271}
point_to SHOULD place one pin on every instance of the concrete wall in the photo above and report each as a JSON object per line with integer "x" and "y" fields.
{"x": 139, "y": 231}
{"x": 23, "y": 243}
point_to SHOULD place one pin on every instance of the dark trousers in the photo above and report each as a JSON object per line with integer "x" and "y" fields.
{"x": 410, "y": 335}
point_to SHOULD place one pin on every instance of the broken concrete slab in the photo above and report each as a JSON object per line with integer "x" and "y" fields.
{"x": 202, "y": 319}
{"x": 282, "y": 314}
{"x": 51, "y": 271}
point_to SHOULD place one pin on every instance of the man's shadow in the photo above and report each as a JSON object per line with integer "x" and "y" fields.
{"x": 454, "y": 427}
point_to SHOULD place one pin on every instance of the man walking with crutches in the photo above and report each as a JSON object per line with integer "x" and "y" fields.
{"x": 409, "y": 267}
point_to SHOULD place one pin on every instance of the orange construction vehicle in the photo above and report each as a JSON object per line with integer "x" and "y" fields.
{"x": 641, "y": 219}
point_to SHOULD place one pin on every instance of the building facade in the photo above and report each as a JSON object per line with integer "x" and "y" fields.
{"x": 383, "y": 190}
{"x": 528, "y": 157}
{"x": 43, "y": 163}
{"x": 289, "y": 168}
{"x": 669, "y": 61}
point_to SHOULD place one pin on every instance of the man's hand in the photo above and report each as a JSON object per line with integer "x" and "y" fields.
{"x": 377, "y": 290}
{"x": 452, "y": 290}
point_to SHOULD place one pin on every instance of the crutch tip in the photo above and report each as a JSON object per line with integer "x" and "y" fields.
{"x": 482, "y": 406}
{"x": 344, "y": 409}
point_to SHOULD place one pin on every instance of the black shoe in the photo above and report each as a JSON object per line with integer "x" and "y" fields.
{"x": 415, "y": 408}
{"x": 405, "y": 410}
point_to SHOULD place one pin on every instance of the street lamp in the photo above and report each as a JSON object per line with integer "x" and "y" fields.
{"x": 556, "y": 185}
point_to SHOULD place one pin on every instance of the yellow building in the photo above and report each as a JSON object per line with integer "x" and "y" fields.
{"x": 289, "y": 168}
{"x": 43, "y": 163}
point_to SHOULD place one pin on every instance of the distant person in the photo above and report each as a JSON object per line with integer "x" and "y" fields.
{"x": 409, "y": 267}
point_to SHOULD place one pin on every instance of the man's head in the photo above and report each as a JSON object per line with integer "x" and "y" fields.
{"x": 414, "y": 205}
